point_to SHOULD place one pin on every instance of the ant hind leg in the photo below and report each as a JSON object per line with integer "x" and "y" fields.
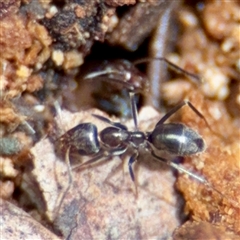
{"x": 177, "y": 108}
{"x": 133, "y": 159}
{"x": 195, "y": 176}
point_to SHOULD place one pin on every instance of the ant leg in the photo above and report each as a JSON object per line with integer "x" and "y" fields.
{"x": 69, "y": 182}
{"x": 98, "y": 156}
{"x": 134, "y": 110}
{"x": 106, "y": 154}
{"x": 132, "y": 159}
{"x": 193, "y": 175}
{"x": 177, "y": 108}
{"x": 179, "y": 168}
{"x": 198, "y": 113}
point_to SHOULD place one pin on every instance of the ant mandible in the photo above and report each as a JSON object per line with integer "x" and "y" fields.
{"x": 175, "y": 138}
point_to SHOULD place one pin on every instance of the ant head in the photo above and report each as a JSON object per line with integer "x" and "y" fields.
{"x": 122, "y": 73}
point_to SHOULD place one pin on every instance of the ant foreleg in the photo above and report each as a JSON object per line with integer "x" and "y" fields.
{"x": 70, "y": 179}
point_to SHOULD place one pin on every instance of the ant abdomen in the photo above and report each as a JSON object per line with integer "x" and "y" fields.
{"x": 81, "y": 139}
{"x": 177, "y": 139}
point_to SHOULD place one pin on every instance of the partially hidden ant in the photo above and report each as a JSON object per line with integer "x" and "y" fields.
{"x": 116, "y": 78}
{"x": 125, "y": 75}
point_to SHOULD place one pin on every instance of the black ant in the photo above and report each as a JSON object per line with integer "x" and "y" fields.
{"x": 116, "y": 140}
{"x": 175, "y": 138}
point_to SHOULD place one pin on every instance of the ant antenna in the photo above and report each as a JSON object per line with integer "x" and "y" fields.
{"x": 29, "y": 128}
{"x": 103, "y": 72}
{"x": 117, "y": 79}
{"x": 172, "y": 66}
